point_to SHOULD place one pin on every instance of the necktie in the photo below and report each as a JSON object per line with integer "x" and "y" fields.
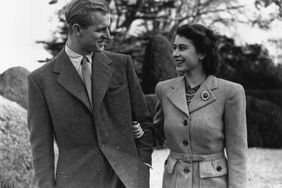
{"x": 86, "y": 76}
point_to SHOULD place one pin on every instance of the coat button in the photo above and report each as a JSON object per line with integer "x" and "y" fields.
{"x": 185, "y": 142}
{"x": 185, "y": 122}
{"x": 219, "y": 168}
{"x": 100, "y": 172}
{"x": 165, "y": 162}
{"x": 117, "y": 147}
{"x": 102, "y": 145}
{"x": 186, "y": 170}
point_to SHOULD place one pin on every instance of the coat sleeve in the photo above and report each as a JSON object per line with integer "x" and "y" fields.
{"x": 159, "y": 135}
{"x": 41, "y": 136}
{"x": 141, "y": 114}
{"x": 236, "y": 137}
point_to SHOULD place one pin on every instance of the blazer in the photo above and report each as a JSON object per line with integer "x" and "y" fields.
{"x": 89, "y": 140}
{"x": 198, "y": 134}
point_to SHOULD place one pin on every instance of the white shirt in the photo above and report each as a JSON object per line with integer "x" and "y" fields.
{"x": 77, "y": 58}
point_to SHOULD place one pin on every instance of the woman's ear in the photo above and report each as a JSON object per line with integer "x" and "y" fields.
{"x": 202, "y": 56}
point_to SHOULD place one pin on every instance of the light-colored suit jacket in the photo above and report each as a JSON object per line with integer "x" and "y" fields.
{"x": 215, "y": 120}
{"x": 89, "y": 140}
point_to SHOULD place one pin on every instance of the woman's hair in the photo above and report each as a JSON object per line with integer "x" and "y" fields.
{"x": 205, "y": 42}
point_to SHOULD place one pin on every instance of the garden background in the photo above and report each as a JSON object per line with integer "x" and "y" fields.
{"x": 144, "y": 30}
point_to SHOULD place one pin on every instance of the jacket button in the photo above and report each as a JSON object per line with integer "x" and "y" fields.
{"x": 185, "y": 122}
{"x": 117, "y": 147}
{"x": 102, "y": 145}
{"x": 100, "y": 172}
{"x": 165, "y": 162}
{"x": 219, "y": 168}
{"x": 185, "y": 142}
{"x": 186, "y": 170}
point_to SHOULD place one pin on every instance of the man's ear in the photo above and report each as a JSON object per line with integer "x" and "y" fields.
{"x": 76, "y": 28}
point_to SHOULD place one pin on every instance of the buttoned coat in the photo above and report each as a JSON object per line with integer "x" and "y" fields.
{"x": 214, "y": 121}
{"x": 89, "y": 140}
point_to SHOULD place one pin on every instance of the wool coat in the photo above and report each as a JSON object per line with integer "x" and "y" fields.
{"x": 207, "y": 138}
{"x": 91, "y": 141}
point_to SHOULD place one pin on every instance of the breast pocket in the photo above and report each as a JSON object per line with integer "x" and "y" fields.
{"x": 169, "y": 176}
{"x": 213, "y": 174}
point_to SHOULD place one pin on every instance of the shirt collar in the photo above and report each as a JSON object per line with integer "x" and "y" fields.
{"x": 76, "y": 58}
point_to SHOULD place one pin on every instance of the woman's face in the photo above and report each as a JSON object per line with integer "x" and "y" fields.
{"x": 185, "y": 56}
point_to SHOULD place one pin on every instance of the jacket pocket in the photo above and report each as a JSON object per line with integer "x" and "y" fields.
{"x": 169, "y": 177}
{"x": 213, "y": 173}
{"x": 170, "y": 164}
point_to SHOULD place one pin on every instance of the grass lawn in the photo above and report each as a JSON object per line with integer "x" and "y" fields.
{"x": 264, "y": 168}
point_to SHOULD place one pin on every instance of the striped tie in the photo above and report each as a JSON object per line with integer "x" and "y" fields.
{"x": 86, "y": 76}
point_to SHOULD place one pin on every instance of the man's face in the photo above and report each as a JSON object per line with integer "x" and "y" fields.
{"x": 94, "y": 37}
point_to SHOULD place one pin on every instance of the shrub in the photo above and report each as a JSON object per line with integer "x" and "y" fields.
{"x": 264, "y": 120}
{"x": 15, "y": 154}
{"x": 158, "y": 63}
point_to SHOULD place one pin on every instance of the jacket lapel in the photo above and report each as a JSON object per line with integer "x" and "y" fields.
{"x": 70, "y": 79}
{"x": 177, "y": 95}
{"x": 204, "y": 95}
{"x": 101, "y": 74}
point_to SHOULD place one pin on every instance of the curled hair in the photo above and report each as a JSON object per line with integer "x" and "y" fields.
{"x": 205, "y": 42}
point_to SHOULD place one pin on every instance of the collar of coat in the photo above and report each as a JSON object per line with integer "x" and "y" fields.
{"x": 70, "y": 80}
{"x": 178, "y": 98}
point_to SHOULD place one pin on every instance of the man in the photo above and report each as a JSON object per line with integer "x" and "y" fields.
{"x": 86, "y": 99}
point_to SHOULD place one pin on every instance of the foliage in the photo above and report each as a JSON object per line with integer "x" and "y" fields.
{"x": 13, "y": 85}
{"x": 249, "y": 65}
{"x": 15, "y": 154}
{"x": 273, "y": 96}
{"x": 264, "y": 120}
{"x": 158, "y": 63}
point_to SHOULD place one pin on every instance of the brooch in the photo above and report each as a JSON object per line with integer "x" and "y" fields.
{"x": 205, "y": 95}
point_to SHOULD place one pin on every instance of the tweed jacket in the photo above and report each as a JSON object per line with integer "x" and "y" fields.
{"x": 59, "y": 109}
{"x": 198, "y": 134}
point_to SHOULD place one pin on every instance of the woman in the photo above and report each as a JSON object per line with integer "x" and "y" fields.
{"x": 201, "y": 116}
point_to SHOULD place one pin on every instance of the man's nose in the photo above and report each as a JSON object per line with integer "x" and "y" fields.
{"x": 107, "y": 34}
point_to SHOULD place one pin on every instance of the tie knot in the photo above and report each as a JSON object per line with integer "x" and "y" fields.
{"x": 84, "y": 60}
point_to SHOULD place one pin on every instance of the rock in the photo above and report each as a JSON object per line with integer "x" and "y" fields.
{"x": 13, "y": 85}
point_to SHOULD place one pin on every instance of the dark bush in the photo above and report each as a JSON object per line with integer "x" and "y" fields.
{"x": 158, "y": 63}
{"x": 264, "y": 120}
{"x": 273, "y": 96}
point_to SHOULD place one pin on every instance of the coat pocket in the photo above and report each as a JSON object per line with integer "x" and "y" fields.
{"x": 170, "y": 164}
{"x": 213, "y": 173}
{"x": 169, "y": 177}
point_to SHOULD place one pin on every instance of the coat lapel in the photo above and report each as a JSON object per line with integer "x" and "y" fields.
{"x": 199, "y": 101}
{"x": 70, "y": 79}
{"x": 177, "y": 95}
{"x": 101, "y": 74}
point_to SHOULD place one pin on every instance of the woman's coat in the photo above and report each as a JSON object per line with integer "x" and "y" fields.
{"x": 198, "y": 134}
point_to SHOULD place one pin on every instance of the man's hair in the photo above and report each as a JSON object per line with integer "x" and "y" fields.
{"x": 82, "y": 17}
{"x": 205, "y": 41}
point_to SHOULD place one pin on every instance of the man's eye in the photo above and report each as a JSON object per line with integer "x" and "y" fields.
{"x": 173, "y": 47}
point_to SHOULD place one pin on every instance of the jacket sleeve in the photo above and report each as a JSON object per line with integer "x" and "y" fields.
{"x": 141, "y": 114}
{"x": 236, "y": 137}
{"x": 159, "y": 134}
{"x": 41, "y": 136}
